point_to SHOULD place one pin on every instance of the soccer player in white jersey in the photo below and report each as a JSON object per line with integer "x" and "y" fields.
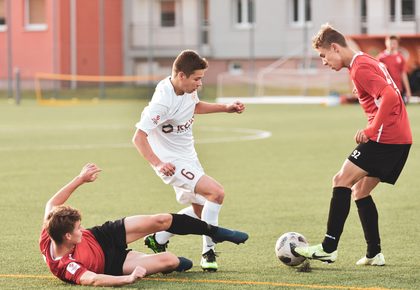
{"x": 164, "y": 138}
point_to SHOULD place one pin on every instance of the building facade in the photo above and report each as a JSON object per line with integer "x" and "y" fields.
{"x": 61, "y": 37}
{"x": 247, "y": 35}
{"x": 116, "y": 37}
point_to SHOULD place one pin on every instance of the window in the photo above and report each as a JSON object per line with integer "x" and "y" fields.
{"x": 408, "y": 10}
{"x": 35, "y": 16}
{"x": 205, "y": 21}
{"x": 402, "y": 10}
{"x": 167, "y": 13}
{"x": 235, "y": 68}
{"x": 2, "y": 15}
{"x": 244, "y": 13}
{"x": 301, "y": 11}
{"x": 392, "y": 10}
{"x": 363, "y": 16}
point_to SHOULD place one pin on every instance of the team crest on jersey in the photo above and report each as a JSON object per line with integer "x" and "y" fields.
{"x": 72, "y": 267}
{"x": 194, "y": 96}
{"x": 156, "y": 119}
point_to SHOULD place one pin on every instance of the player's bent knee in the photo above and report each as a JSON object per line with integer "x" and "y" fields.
{"x": 336, "y": 179}
{"x": 162, "y": 221}
{"x": 340, "y": 180}
{"x": 218, "y": 195}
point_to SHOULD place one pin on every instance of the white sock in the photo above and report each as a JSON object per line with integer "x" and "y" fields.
{"x": 163, "y": 237}
{"x": 210, "y": 215}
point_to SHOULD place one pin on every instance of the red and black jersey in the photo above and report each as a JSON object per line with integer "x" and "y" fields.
{"x": 370, "y": 78}
{"x": 87, "y": 255}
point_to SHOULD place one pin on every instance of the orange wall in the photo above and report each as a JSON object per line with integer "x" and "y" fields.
{"x": 113, "y": 37}
{"x": 64, "y": 36}
{"x": 3, "y": 55}
{"x": 373, "y": 45}
{"x": 33, "y": 50}
{"x": 88, "y": 37}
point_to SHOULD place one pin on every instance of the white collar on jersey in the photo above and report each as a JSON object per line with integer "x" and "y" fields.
{"x": 354, "y": 57}
{"x": 52, "y": 253}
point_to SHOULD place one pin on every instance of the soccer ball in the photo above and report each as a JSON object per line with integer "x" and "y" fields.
{"x": 285, "y": 246}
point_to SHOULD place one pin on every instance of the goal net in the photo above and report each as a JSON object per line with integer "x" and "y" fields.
{"x": 303, "y": 82}
{"x": 61, "y": 89}
{"x": 284, "y": 82}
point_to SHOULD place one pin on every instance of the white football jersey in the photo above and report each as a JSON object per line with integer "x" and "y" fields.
{"x": 168, "y": 122}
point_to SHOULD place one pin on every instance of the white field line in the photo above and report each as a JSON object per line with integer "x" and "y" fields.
{"x": 248, "y": 134}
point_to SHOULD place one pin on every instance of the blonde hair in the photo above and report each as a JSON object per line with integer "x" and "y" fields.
{"x": 326, "y": 36}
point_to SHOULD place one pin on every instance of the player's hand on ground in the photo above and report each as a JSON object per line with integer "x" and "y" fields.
{"x": 236, "y": 107}
{"x": 138, "y": 273}
{"x": 168, "y": 169}
{"x": 89, "y": 172}
{"x": 360, "y": 137}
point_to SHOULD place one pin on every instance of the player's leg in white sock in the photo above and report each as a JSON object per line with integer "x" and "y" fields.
{"x": 210, "y": 215}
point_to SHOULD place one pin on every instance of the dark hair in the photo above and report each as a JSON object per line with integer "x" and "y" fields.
{"x": 393, "y": 37}
{"x": 326, "y": 36}
{"x": 60, "y": 221}
{"x": 189, "y": 61}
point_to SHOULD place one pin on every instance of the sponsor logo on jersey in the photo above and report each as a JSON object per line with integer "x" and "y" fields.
{"x": 179, "y": 128}
{"x": 186, "y": 126}
{"x": 72, "y": 267}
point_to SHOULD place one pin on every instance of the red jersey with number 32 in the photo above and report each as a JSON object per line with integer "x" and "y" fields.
{"x": 87, "y": 255}
{"x": 370, "y": 78}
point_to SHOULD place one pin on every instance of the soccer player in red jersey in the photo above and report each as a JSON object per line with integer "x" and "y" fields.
{"x": 396, "y": 65}
{"x": 99, "y": 256}
{"x": 382, "y": 150}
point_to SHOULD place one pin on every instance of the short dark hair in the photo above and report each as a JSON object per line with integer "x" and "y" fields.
{"x": 189, "y": 61}
{"x": 326, "y": 36}
{"x": 393, "y": 37}
{"x": 60, "y": 221}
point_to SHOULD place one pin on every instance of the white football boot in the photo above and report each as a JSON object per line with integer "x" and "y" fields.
{"x": 378, "y": 260}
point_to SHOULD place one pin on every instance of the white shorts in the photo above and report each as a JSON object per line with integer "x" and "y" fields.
{"x": 187, "y": 174}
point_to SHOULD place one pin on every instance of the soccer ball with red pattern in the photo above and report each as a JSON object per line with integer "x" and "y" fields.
{"x": 285, "y": 246}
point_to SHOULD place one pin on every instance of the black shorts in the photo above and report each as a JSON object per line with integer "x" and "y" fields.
{"x": 111, "y": 237}
{"x": 384, "y": 161}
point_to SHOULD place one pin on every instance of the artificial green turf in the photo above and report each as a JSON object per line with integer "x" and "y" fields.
{"x": 272, "y": 186}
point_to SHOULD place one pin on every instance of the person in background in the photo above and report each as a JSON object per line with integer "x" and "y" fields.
{"x": 396, "y": 65}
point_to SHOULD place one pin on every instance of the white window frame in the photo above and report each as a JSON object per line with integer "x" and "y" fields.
{"x": 244, "y": 24}
{"x": 398, "y": 12}
{"x": 301, "y": 14}
{"x": 32, "y": 26}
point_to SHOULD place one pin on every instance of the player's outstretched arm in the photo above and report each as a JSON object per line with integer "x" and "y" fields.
{"x": 92, "y": 279}
{"x": 206, "y": 108}
{"x": 88, "y": 173}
